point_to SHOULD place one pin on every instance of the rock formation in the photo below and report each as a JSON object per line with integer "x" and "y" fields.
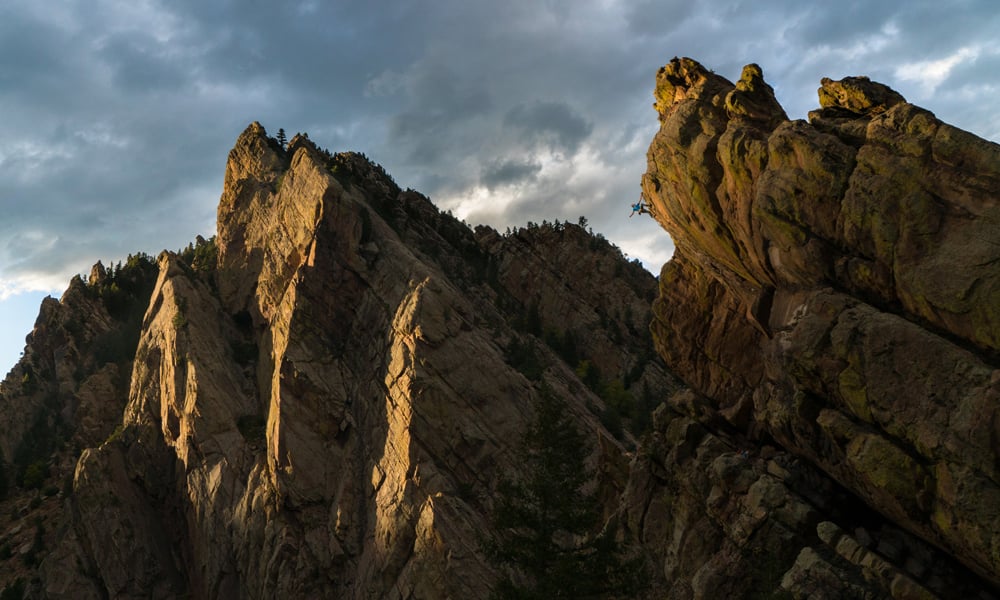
{"x": 323, "y": 398}
{"x": 833, "y": 300}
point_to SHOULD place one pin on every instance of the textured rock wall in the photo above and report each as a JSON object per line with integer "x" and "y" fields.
{"x": 834, "y": 290}
{"x": 328, "y": 411}
{"x": 43, "y": 383}
{"x": 66, "y": 393}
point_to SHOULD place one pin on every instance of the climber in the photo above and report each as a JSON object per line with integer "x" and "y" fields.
{"x": 640, "y": 208}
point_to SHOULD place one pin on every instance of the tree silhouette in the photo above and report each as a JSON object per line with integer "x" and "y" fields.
{"x": 3, "y": 478}
{"x": 282, "y": 140}
{"x": 547, "y": 539}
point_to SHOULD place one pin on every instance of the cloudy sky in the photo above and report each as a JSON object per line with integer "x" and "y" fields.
{"x": 118, "y": 115}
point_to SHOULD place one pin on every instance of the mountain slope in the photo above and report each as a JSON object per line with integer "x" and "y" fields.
{"x": 322, "y": 400}
{"x": 324, "y": 397}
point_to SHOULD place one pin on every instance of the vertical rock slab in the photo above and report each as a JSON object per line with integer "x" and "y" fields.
{"x": 834, "y": 289}
{"x": 326, "y": 410}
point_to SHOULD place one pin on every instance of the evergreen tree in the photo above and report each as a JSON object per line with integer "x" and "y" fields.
{"x": 533, "y": 319}
{"x": 547, "y": 539}
{"x": 282, "y": 140}
{"x": 3, "y": 478}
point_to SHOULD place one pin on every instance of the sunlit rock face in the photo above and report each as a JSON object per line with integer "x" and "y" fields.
{"x": 320, "y": 401}
{"x": 834, "y": 297}
{"x": 323, "y": 409}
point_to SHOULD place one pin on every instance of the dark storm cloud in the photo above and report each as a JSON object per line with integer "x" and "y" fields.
{"x": 39, "y": 67}
{"x": 552, "y": 123}
{"x": 657, "y": 17}
{"x": 440, "y": 106}
{"x": 811, "y": 24}
{"x": 118, "y": 116}
{"x": 140, "y": 65}
{"x": 509, "y": 172}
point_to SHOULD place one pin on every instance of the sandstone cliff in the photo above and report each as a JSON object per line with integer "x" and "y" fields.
{"x": 323, "y": 398}
{"x": 832, "y": 305}
{"x": 320, "y": 401}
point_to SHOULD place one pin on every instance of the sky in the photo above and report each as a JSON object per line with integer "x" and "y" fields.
{"x": 118, "y": 115}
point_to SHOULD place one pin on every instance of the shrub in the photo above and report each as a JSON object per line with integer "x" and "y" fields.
{"x": 618, "y": 398}
{"x": 116, "y": 434}
{"x": 206, "y": 256}
{"x": 244, "y": 353}
{"x": 523, "y": 357}
{"x": 547, "y": 540}
{"x": 116, "y": 345}
{"x": 253, "y": 428}
{"x": 179, "y": 319}
{"x": 612, "y": 421}
{"x": 35, "y": 474}
{"x": 533, "y": 319}
{"x": 642, "y": 417}
{"x": 589, "y": 374}
{"x": 14, "y": 591}
{"x": 366, "y": 226}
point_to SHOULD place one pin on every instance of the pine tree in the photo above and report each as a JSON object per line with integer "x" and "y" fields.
{"x": 3, "y": 478}
{"x": 533, "y": 319}
{"x": 282, "y": 140}
{"x": 547, "y": 540}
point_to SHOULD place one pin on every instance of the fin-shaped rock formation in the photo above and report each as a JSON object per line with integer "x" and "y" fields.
{"x": 834, "y": 295}
{"x": 322, "y": 399}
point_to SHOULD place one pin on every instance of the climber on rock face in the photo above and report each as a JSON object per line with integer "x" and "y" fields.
{"x": 640, "y": 208}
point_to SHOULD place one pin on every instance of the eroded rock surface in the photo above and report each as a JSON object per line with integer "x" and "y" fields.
{"x": 319, "y": 402}
{"x": 323, "y": 398}
{"x": 835, "y": 292}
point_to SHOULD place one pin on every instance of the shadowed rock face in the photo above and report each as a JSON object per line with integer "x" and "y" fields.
{"x": 327, "y": 411}
{"x": 835, "y": 290}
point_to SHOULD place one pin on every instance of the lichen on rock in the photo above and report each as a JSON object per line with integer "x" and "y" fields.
{"x": 852, "y": 261}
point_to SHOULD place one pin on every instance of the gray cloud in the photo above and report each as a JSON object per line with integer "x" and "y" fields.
{"x": 508, "y": 172}
{"x": 118, "y": 117}
{"x": 141, "y": 65}
{"x": 657, "y": 17}
{"x": 551, "y": 123}
{"x": 440, "y": 104}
